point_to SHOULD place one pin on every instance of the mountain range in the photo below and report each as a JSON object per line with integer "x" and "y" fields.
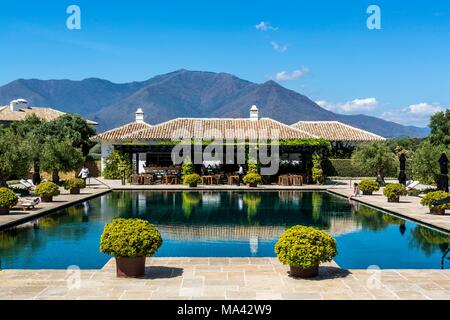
{"x": 185, "y": 93}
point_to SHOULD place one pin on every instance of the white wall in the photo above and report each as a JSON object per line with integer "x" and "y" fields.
{"x": 107, "y": 148}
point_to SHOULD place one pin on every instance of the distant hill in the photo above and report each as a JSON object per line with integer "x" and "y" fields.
{"x": 185, "y": 94}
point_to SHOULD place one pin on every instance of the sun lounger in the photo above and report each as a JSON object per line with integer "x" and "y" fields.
{"x": 412, "y": 185}
{"x": 27, "y": 204}
{"x": 27, "y": 183}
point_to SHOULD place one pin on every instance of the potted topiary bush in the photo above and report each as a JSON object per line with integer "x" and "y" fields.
{"x": 191, "y": 179}
{"x": 74, "y": 185}
{"x": 393, "y": 191}
{"x": 368, "y": 186}
{"x": 47, "y": 190}
{"x": 303, "y": 249}
{"x": 130, "y": 241}
{"x": 8, "y": 199}
{"x": 252, "y": 179}
{"x": 431, "y": 197}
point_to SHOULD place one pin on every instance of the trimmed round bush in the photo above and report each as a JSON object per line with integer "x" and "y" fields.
{"x": 252, "y": 178}
{"x": 130, "y": 238}
{"x": 74, "y": 183}
{"x": 191, "y": 179}
{"x": 368, "y": 186}
{"x": 431, "y": 197}
{"x": 394, "y": 190}
{"x": 305, "y": 247}
{"x": 47, "y": 189}
{"x": 7, "y": 198}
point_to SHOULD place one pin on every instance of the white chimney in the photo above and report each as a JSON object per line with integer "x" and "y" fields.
{"x": 254, "y": 113}
{"x": 18, "y": 104}
{"x": 139, "y": 116}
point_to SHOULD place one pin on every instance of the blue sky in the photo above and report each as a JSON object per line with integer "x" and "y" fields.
{"x": 322, "y": 49}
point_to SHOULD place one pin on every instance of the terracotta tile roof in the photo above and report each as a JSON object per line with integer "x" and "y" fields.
{"x": 46, "y": 114}
{"x": 226, "y": 128}
{"x": 120, "y": 132}
{"x": 336, "y": 131}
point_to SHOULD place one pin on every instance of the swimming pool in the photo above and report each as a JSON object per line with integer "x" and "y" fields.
{"x": 223, "y": 224}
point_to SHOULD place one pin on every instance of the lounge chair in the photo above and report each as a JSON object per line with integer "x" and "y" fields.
{"x": 27, "y": 184}
{"x": 27, "y": 204}
{"x": 412, "y": 185}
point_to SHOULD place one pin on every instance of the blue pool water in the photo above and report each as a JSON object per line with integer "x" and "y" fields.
{"x": 223, "y": 224}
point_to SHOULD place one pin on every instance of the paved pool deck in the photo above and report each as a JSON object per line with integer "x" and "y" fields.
{"x": 409, "y": 207}
{"x": 65, "y": 199}
{"x": 222, "y": 279}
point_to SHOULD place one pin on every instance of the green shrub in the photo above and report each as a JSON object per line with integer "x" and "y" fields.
{"x": 130, "y": 238}
{"x": 252, "y": 167}
{"x": 252, "y": 178}
{"x": 7, "y": 198}
{"x": 117, "y": 165}
{"x": 191, "y": 179}
{"x": 394, "y": 190}
{"x": 317, "y": 171}
{"x": 47, "y": 189}
{"x": 74, "y": 184}
{"x": 305, "y": 247}
{"x": 431, "y": 197}
{"x": 368, "y": 186}
{"x": 187, "y": 167}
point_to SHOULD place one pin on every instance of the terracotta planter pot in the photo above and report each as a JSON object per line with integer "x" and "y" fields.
{"x": 437, "y": 211}
{"x": 47, "y": 198}
{"x": 130, "y": 267}
{"x": 304, "y": 273}
{"x": 4, "y": 210}
{"x": 397, "y": 199}
{"x": 75, "y": 191}
{"x": 253, "y": 185}
{"x": 367, "y": 193}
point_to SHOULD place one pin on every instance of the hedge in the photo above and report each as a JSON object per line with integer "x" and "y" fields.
{"x": 344, "y": 168}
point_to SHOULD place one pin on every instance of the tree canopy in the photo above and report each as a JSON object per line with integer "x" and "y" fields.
{"x": 440, "y": 128}
{"x": 54, "y": 146}
{"x": 375, "y": 157}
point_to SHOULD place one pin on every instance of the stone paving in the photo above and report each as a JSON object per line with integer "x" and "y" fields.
{"x": 225, "y": 278}
{"x": 65, "y": 199}
{"x": 408, "y": 207}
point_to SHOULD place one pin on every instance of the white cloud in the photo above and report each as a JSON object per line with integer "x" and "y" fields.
{"x": 424, "y": 108}
{"x": 350, "y": 107}
{"x": 415, "y": 114}
{"x": 278, "y": 47}
{"x": 265, "y": 26}
{"x": 291, "y": 75}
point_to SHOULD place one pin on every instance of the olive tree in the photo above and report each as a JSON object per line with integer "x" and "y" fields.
{"x": 375, "y": 157}
{"x": 60, "y": 156}
{"x": 30, "y": 130}
{"x": 425, "y": 165}
{"x": 14, "y": 156}
{"x": 440, "y": 128}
